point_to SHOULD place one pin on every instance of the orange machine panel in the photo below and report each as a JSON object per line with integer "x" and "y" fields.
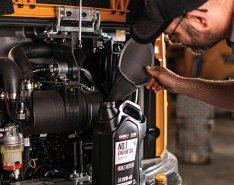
{"x": 161, "y": 101}
{"x": 29, "y": 8}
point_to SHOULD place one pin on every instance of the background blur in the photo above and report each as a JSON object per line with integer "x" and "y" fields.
{"x": 201, "y": 136}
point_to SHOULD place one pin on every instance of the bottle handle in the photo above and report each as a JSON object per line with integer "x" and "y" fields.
{"x": 128, "y": 105}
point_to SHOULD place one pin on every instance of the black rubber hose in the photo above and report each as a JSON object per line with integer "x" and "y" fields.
{"x": 26, "y": 159}
{"x": 11, "y": 76}
{"x": 23, "y": 52}
{"x": 11, "y": 109}
{"x": 88, "y": 75}
{"x": 82, "y": 56}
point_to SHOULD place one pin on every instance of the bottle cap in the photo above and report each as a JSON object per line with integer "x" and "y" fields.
{"x": 161, "y": 178}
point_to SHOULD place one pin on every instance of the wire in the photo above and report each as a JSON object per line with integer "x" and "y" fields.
{"x": 88, "y": 75}
{"x": 43, "y": 165}
{"x": 32, "y": 163}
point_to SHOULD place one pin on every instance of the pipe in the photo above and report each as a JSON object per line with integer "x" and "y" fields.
{"x": 12, "y": 31}
{"x": 11, "y": 109}
{"x": 75, "y": 155}
{"x": 26, "y": 157}
{"x": 26, "y": 21}
{"x": 65, "y": 53}
{"x": 81, "y": 157}
{"x": 11, "y": 76}
{"x": 23, "y": 52}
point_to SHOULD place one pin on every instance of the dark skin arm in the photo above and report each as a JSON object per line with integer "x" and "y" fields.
{"x": 217, "y": 93}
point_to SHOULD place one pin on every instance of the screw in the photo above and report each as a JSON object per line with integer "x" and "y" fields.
{"x": 20, "y": 6}
{"x": 84, "y": 14}
{"x": 32, "y": 6}
{"x": 68, "y": 13}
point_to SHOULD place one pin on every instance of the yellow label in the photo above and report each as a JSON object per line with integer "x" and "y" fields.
{"x": 120, "y": 35}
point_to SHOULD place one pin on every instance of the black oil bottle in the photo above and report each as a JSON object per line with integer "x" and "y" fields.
{"x": 116, "y": 143}
{"x": 119, "y": 131}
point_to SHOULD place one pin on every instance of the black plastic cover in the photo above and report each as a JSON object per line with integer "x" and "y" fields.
{"x": 6, "y": 7}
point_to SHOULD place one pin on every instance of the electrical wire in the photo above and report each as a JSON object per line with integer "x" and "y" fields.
{"x": 32, "y": 163}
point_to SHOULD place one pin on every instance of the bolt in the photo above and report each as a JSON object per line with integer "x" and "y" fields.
{"x": 68, "y": 13}
{"x": 20, "y": 6}
{"x": 84, "y": 14}
{"x": 32, "y": 6}
{"x": 2, "y": 95}
{"x": 64, "y": 40}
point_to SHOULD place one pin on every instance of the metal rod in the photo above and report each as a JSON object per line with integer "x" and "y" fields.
{"x": 75, "y": 155}
{"x": 80, "y": 25}
{"x": 81, "y": 158}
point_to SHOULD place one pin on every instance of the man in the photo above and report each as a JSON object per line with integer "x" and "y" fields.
{"x": 197, "y": 24}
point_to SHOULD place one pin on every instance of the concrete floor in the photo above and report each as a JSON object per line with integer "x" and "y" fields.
{"x": 221, "y": 169}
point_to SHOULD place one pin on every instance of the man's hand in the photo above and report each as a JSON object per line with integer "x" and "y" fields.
{"x": 162, "y": 78}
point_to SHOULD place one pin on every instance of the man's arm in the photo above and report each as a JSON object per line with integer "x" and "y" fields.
{"x": 217, "y": 93}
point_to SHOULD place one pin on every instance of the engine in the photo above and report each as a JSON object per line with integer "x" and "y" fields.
{"x": 51, "y": 91}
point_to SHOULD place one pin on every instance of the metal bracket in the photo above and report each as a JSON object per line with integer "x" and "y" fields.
{"x": 80, "y": 177}
{"x": 68, "y": 20}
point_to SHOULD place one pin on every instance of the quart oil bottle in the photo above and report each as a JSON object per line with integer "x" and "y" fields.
{"x": 118, "y": 135}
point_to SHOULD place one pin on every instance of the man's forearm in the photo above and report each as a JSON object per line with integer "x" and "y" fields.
{"x": 217, "y": 93}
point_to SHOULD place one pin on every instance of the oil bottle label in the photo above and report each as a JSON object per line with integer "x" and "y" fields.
{"x": 125, "y": 154}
